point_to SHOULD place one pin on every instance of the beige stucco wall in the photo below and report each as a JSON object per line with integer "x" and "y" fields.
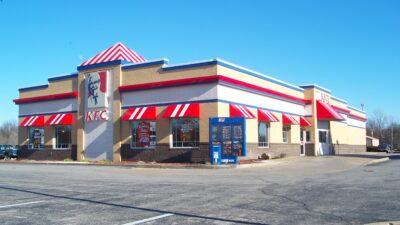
{"x": 339, "y": 131}
{"x": 338, "y": 104}
{"x": 356, "y": 136}
{"x": 55, "y": 87}
{"x": 156, "y": 74}
{"x": 257, "y": 81}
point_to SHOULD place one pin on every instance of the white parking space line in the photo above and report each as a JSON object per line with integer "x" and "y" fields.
{"x": 19, "y": 204}
{"x": 149, "y": 219}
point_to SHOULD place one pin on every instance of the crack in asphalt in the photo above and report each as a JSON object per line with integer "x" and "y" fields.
{"x": 303, "y": 204}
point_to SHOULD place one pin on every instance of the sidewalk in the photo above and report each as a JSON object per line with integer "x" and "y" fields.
{"x": 375, "y": 158}
{"x": 253, "y": 164}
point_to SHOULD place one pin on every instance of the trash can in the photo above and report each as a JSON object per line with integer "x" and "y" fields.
{"x": 216, "y": 155}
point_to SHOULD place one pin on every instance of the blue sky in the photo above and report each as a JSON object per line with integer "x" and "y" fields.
{"x": 350, "y": 47}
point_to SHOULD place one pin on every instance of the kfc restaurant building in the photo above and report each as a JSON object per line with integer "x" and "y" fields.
{"x": 121, "y": 107}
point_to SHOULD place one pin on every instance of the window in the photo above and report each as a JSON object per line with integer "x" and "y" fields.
{"x": 263, "y": 132}
{"x": 322, "y": 136}
{"x": 62, "y": 137}
{"x": 143, "y": 134}
{"x": 36, "y": 138}
{"x": 286, "y": 134}
{"x": 308, "y": 136}
{"x": 185, "y": 133}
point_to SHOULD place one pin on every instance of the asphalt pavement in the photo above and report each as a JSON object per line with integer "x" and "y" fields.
{"x": 322, "y": 190}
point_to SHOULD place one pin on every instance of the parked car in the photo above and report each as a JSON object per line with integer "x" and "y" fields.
{"x": 385, "y": 148}
{"x": 2, "y": 151}
{"x": 8, "y": 151}
{"x": 12, "y": 152}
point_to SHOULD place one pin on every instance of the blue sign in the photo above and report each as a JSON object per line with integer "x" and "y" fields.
{"x": 216, "y": 155}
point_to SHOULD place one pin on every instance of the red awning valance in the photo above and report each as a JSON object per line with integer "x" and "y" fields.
{"x": 240, "y": 111}
{"x": 288, "y": 119}
{"x": 60, "y": 119}
{"x": 33, "y": 121}
{"x": 304, "y": 122}
{"x": 140, "y": 113}
{"x": 326, "y": 112}
{"x": 265, "y": 115}
{"x": 183, "y": 110}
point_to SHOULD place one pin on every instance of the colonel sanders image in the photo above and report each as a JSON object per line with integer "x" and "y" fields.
{"x": 97, "y": 89}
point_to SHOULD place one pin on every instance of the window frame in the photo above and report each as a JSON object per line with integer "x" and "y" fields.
{"x": 286, "y": 128}
{"x": 55, "y": 147}
{"x": 42, "y": 146}
{"x": 171, "y": 145}
{"x": 267, "y": 137}
{"x": 309, "y": 140}
{"x": 131, "y": 132}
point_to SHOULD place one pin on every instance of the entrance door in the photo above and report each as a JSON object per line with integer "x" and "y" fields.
{"x": 302, "y": 142}
{"x": 324, "y": 143}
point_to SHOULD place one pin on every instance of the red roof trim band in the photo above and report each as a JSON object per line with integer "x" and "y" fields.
{"x": 60, "y": 119}
{"x": 140, "y": 113}
{"x": 357, "y": 117}
{"x": 191, "y": 110}
{"x": 33, "y": 121}
{"x": 209, "y": 79}
{"x": 46, "y": 98}
{"x": 304, "y": 122}
{"x": 342, "y": 110}
{"x": 288, "y": 119}
{"x": 240, "y": 111}
{"x": 265, "y": 115}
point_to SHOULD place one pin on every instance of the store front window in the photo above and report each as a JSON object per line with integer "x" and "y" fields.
{"x": 185, "y": 133}
{"x": 62, "y": 137}
{"x": 143, "y": 135}
{"x": 286, "y": 134}
{"x": 263, "y": 135}
{"x": 36, "y": 138}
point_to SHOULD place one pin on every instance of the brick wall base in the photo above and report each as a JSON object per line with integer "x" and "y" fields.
{"x": 349, "y": 149}
{"x": 48, "y": 153}
{"x": 163, "y": 153}
{"x": 275, "y": 150}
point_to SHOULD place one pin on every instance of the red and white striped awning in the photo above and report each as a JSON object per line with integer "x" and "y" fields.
{"x": 140, "y": 113}
{"x": 289, "y": 119}
{"x": 265, "y": 115}
{"x": 183, "y": 110}
{"x": 117, "y": 52}
{"x": 240, "y": 111}
{"x": 33, "y": 121}
{"x": 304, "y": 122}
{"x": 60, "y": 119}
{"x": 326, "y": 112}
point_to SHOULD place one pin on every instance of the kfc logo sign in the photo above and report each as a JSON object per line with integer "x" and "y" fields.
{"x": 97, "y": 89}
{"x": 323, "y": 97}
{"x": 100, "y": 115}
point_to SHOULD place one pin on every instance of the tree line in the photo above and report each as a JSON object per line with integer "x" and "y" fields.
{"x": 384, "y": 127}
{"x": 9, "y": 132}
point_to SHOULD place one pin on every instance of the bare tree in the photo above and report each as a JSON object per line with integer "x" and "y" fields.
{"x": 9, "y": 132}
{"x": 378, "y": 123}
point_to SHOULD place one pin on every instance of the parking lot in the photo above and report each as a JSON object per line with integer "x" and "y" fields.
{"x": 325, "y": 190}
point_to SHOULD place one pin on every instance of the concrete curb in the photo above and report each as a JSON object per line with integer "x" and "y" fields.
{"x": 144, "y": 166}
{"x": 377, "y": 161}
